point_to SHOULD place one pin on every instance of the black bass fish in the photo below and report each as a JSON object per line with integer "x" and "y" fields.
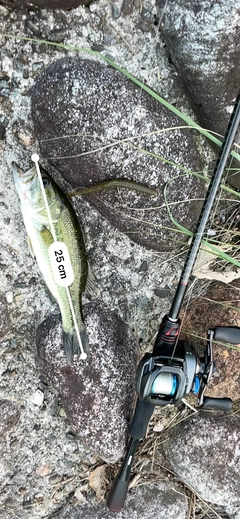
{"x": 40, "y": 236}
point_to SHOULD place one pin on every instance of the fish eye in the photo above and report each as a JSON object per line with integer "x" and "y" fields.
{"x": 45, "y": 181}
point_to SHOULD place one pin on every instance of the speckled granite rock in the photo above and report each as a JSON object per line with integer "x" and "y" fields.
{"x": 44, "y": 4}
{"x": 98, "y": 396}
{"x": 202, "y": 40}
{"x": 9, "y": 415}
{"x": 88, "y": 106}
{"x": 152, "y": 501}
{"x": 4, "y": 320}
{"x": 204, "y": 452}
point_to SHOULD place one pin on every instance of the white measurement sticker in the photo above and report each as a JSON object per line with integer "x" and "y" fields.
{"x": 61, "y": 264}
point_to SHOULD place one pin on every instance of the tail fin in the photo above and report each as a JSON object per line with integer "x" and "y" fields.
{"x": 72, "y": 346}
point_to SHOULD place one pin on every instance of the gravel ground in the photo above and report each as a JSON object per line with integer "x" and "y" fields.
{"x": 42, "y": 464}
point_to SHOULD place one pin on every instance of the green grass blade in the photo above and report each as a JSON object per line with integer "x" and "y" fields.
{"x": 147, "y": 89}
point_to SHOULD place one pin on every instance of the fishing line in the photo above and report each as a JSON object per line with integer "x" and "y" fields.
{"x": 52, "y": 254}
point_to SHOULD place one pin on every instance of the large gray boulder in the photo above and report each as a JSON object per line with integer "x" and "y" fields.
{"x": 202, "y": 41}
{"x": 98, "y": 395}
{"x": 151, "y": 501}
{"x": 80, "y": 108}
{"x": 204, "y": 451}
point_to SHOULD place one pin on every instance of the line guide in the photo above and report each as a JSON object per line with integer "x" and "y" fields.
{"x": 60, "y": 259}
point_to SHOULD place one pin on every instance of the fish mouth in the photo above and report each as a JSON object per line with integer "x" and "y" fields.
{"x": 24, "y": 176}
{"x": 25, "y": 182}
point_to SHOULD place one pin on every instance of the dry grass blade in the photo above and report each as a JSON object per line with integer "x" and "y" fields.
{"x": 208, "y": 510}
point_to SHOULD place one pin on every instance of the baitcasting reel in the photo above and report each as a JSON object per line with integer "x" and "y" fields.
{"x": 166, "y": 379}
{"x": 172, "y": 370}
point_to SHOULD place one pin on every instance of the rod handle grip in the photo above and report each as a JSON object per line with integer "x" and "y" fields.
{"x": 220, "y": 404}
{"x": 117, "y": 495}
{"x": 141, "y": 418}
{"x": 229, "y": 334}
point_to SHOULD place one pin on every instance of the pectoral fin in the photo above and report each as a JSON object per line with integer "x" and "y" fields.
{"x": 46, "y": 236}
{"x": 30, "y": 247}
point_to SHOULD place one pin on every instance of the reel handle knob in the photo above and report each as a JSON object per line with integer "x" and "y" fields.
{"x": 229, "y": 334}
{"x": 220, "y": 404}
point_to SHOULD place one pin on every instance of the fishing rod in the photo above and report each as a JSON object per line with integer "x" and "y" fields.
{"x": 172, "y": 370}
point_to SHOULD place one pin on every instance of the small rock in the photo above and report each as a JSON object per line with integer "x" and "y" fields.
{"x": 44, "y": 470}
{"x": 148, "y": 16}
{"x": 53, "y": 407}
{"x": 116, "y": 13}
{"x": 143, "y": 26}
{"x": 25, "y": 73}
{"x": 4, "y": 321}
{"x": 5, "y": 469}
{"x": 158, "y": 427}
{"x": 162, "y": 292}
{"x": 62, "y": 413}
{"x": 9, "y": 297}
{"x": 9, "y": 415}
{"x": 79, "y": 495}
{"x": 143, "y": 266}
{"x": 36, "y": 400}
{"x": 13, "y": 344}
{"x": 2, "y": 132}
{"x": 22, "y": 490}
{"x": 127, "y": 6}
{"x": 55, "y": 478}
{"x": 98, "y": 47}
{"x": 70, "y": 436}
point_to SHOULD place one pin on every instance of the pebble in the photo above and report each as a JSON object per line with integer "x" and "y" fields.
{"x": 79, "y": 495}
{"x": 147, "y": 16}
{"x": 2, "y": 132}
{"x": 98, "y": 47}
{"x": 13, "y": 344}
{"x": 70, "y": 436}
{"x": 44, "y": 470}
{"x": 9, "y": 297}
{"x": 62, "y": 413}
{"x": 143, "y": 26}
{"x": 127, "y": 6}
{"x": 55, "y": 478}
{"x": 158, "y": 427}
{"x": 53, "y": 407}
{"x": 37, "y": 398}
{"x": 143, "y": 266}
{"x": 162, "y": 292}
{"x": 4, "y": 469}
{"x": 115, "y": 12}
